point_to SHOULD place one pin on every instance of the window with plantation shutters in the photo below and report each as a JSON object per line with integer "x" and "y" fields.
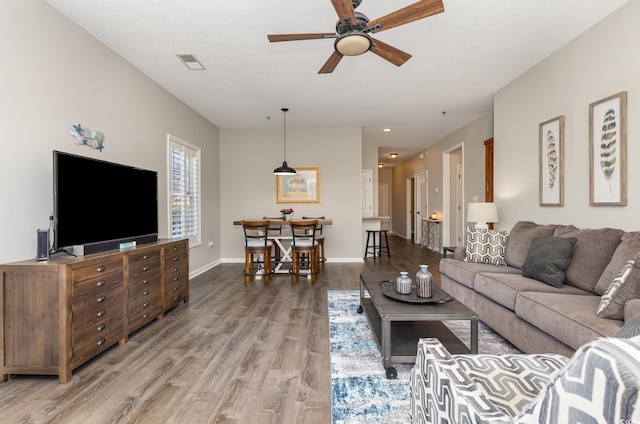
{"x": 184, "y": 190}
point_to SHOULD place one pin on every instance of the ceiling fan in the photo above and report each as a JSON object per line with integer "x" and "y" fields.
{"x": 353, "y": 31}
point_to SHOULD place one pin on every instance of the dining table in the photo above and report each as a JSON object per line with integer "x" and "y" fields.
{"x": 283, "y": 241}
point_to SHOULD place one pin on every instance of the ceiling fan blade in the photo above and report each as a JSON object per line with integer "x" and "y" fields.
{"x": 344, "y": 8}
{"x": 390, "y": 53}
{"x": 274, "y": 38}
{"x": 413, "y": 12}
{"x": 331, "y": 63}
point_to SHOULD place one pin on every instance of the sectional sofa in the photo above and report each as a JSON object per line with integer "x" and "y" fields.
{"x": 545, "y": 284}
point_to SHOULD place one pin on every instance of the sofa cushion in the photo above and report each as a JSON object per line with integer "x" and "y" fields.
{"x": 631, "y": 309}
{"x": 625, "y": 287}
{"x": 504, "y": 288}
{"x": 486, "y": 246}
{"x": 548, "y": 259}
{"x": 520, "y": 238}
{"x": 631, "y": 328}
{"x": 569, "y": 318}
{"x": 591, "y": 254}
{"x": 465, "y": 272}
{"x": 628, "y": 247}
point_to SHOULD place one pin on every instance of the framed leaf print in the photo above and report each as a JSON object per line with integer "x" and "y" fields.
{"x": 608, "y": 151}
{"x": 551, "y": 134}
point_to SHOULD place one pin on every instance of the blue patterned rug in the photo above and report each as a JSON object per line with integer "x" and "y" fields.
{"x": 360, "y": 390}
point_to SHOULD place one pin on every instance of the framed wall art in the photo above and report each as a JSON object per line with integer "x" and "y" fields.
{"x": 551, "y": 135}
{"x": 608, "y": 151}
{"x": 304, "y": 187}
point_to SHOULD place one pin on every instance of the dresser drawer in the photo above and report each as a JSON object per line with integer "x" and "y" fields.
{"x": 175, "y": 294}
{"x": 177, "y": 252}
{"x": 148, "y": 282}
{"x": 111, "y": 321}
{"x": 89, "y": 347}
{"x": 142, "y": 294}
{"x": 140, "y": 263}
{"x": 98, "y": 301}
{"x": 96, "y": 278}
{"x": 91, "y": 316}
{"x": 146, "y": 311}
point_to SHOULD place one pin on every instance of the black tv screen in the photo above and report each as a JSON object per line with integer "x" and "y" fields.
{"x": 97, "y": 201}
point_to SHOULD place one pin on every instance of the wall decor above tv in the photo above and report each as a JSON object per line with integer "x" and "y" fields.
{"x": 97, "y": 205}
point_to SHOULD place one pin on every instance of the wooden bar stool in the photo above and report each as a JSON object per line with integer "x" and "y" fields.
{"x": 377, "y": 246}
{"x": 319, "y": 239}
{"x": 256, "y": 243}
{"x": 304, "y": 249}
{"x": 275, "y": 230}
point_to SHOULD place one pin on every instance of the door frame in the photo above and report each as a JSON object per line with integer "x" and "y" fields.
{"x": 420, "y": 203}
{"x": 446, "y": 193}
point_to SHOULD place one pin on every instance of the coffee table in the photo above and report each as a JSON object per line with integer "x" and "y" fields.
{"x": 397, "y": 325}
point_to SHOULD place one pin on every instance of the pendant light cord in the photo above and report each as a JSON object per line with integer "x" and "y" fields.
{"x": 284, "y": 112}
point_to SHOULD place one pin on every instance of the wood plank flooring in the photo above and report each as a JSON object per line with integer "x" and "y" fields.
{"x": 234, "y": 354}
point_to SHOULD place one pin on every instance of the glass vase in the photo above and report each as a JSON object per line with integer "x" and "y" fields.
{"x": 424, "y": 282}
{"x": 403, "y": 283}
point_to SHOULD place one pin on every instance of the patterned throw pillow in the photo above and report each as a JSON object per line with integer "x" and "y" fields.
{"x": 486, "y": 246}
{"x": 625, "y": 286}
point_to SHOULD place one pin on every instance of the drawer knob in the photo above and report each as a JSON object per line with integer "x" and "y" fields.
{"x": 145, "y": 282}
{"x": 100, "y": 283}
{"x": 175, "y": 249}
{"x": 176, "y": 269}
{"x": 100, "y": 269}
{"x": 145, "y": 257}
{"x": 176, "y": 259}
{"x": 145, "y": 304}
{"x": 145, "y": 316}
{"x": 146, "y": 292}
{"x": 176, "y": 288}
{"x": 101, "y": 327}
{"x": 101, "y": 313}
{"x": 176, "y": 298}
{"x": 100, "y": 342}
{"x": 176, "y": 279}
{"x": 146, "y": 268}
{"x": 100, "y": 299}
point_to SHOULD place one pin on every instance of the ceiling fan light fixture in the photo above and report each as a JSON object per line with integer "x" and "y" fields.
{"x": 353, "y": 44}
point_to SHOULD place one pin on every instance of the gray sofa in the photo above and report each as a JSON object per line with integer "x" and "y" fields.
{"x": 537, "y": 317}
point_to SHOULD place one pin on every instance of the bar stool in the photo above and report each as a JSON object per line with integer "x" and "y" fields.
{"x": 256, "y": 243}
{"x": 378, "y": 245}
{"x": 304, "y": 249}
{"x": 319, "y": 239}
{"x": 275, "y": 230}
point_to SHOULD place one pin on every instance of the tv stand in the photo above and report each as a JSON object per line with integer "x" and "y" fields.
{"x": 58, "y": 314}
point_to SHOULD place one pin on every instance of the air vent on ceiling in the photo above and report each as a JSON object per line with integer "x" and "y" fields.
{"x": 191, "y": 62}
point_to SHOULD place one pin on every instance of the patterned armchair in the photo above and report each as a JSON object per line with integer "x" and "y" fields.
{"x": 599, "y": 384}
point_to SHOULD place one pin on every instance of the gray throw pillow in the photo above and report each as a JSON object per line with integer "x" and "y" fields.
{"x": 630, "y": 328}
{"x": 548, "y": 259}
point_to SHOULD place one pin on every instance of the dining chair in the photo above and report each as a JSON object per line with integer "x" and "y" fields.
{"x": 275, "y": 230}
{"x": 319, "y": 239}
{"x": 304, "y": 249}
{"x": 256, "y": 243}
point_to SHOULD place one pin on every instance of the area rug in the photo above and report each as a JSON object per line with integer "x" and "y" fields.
{"x": 360, "y": 390}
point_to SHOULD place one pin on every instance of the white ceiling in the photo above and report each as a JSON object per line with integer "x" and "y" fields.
{"x": 460, "y": 58}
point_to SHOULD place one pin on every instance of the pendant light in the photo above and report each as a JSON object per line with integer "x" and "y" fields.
{"x": 284, "y": 169}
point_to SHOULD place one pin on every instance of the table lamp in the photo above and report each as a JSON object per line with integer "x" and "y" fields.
{"x": 481, "y": 213}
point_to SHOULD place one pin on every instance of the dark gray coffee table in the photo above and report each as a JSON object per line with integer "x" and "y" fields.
{"x": 398, "y": 325}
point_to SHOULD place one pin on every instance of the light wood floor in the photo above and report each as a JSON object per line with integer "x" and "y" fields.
{"x": 234, "y": 354}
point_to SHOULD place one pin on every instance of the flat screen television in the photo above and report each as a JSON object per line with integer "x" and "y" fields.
{"x": 98, "y": 205}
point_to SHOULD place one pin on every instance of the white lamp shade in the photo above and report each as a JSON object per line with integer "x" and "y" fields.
{"x": 481, "y": 213}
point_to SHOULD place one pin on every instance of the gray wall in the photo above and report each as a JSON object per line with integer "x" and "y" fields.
{"x": 602, "y": 61}
{"x": 55, "y": 75}
{"x": 249, "y": 188}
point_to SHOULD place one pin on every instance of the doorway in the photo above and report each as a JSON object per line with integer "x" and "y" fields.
{"x": 453, "y": 196}
{"x": 411, "y": 201}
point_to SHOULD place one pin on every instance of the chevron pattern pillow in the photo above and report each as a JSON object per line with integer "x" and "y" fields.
{"x": 486, "y": 246}
{"x": 625, "y": 286}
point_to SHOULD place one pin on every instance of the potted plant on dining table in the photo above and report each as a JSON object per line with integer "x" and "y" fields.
{"x": 285, "y": 212}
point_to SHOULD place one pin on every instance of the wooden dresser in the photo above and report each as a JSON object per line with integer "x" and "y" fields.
{"x": 56, "y": 315}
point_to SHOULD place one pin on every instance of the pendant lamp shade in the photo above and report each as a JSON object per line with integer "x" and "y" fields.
{"x": 284, "y": 169}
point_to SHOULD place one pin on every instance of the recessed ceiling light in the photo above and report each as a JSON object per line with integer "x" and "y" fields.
{"x": 191, "y": 62}
{"x": 387, "y": 130}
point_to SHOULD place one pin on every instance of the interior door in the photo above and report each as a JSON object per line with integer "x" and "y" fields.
{"x": 422, "y": 204}
{"x": 383, "y": 206}
{"x": 367, "y": 193}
